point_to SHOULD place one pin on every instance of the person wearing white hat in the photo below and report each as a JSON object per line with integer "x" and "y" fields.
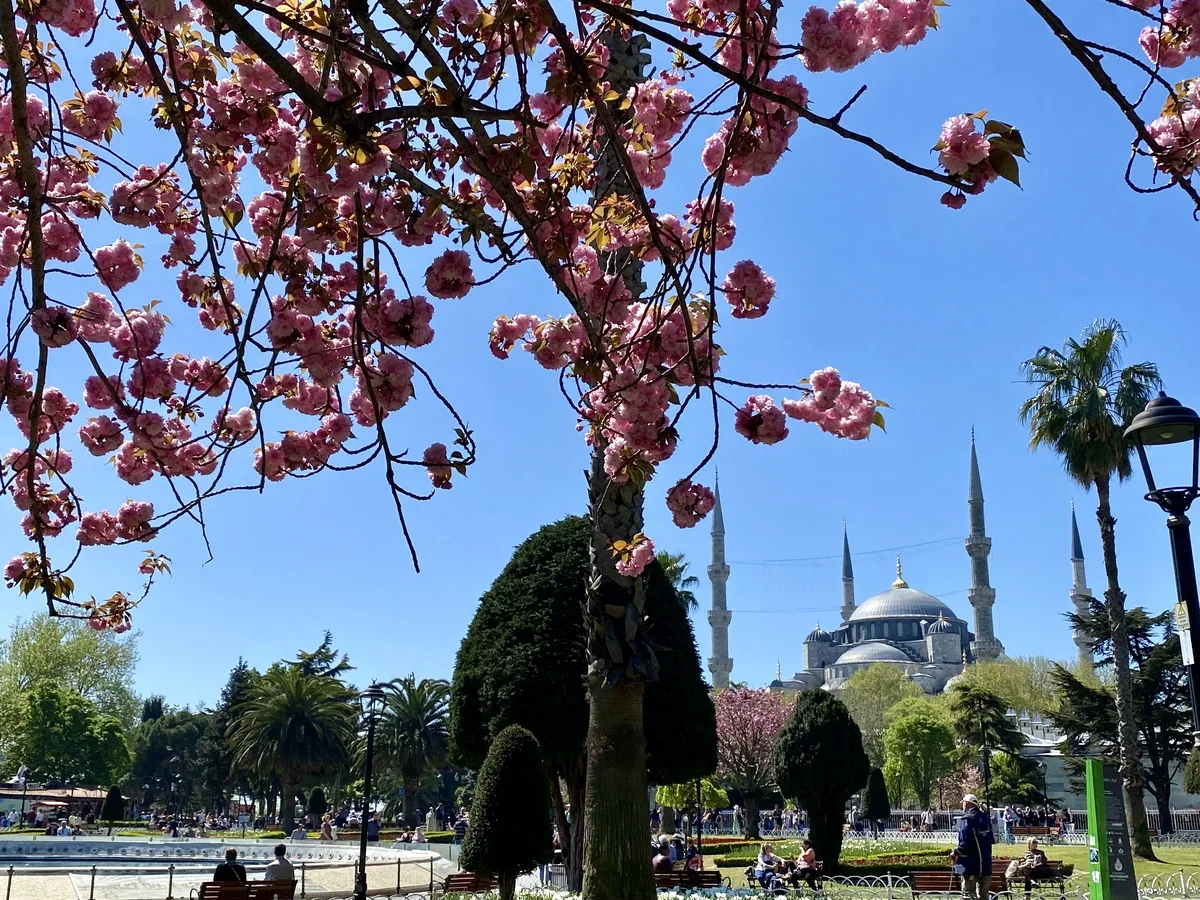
{"x": 972, "y": 857}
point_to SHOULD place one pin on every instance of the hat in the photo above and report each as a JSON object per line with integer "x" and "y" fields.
{"x": 972, "y": 799}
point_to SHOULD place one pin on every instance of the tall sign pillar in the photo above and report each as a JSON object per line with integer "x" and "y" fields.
{"x": 1110, "y": 859}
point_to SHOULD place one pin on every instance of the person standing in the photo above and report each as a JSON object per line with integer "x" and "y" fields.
{"x": 373, "y": 828}
{"x": 460, "y": 829}
{"x": 231, "y": 869}
{"x": 972, "y": 856}
{"x": 281, "y": 869}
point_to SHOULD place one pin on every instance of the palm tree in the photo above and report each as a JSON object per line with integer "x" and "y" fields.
{"x": 675, "y": 567}
{"x": 413, "y": 735}
{"x": 291, "y": 726}
{"x": 1085, "y": 398}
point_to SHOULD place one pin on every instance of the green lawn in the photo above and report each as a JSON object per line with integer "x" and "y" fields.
{"x": 1171, "y": 860}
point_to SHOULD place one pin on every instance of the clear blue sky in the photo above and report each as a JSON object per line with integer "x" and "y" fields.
{"x": 931, "y": 309}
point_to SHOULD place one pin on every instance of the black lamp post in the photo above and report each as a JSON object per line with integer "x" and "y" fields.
{"x": 1167, "y": 421}
{"x": 369, "y": 701}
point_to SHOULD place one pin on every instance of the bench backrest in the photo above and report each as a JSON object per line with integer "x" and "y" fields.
{"x": 468, "y": 882}
{"x": 272, "y": 890}
{"x": 935, "y": 881}
{"x": 224, "y": 890}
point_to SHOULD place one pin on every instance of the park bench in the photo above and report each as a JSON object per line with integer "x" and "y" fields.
{"x": 247, "y": 890}
{"x": 999, "y": 880}
{"x": 467, "y": 883}
{"x": 934, "y": 881}
{"x": 1037, "y": 831}
{"x": 689, "y": 878}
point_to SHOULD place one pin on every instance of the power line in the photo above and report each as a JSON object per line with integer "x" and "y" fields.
{"x": 803, "y": 560}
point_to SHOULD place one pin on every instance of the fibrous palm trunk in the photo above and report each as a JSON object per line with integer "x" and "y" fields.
{"x": 407, "y": 811}
{"x": 615, "y": 863}
{"x": 1114, "y": 604}
{"x": 287, "y": 803}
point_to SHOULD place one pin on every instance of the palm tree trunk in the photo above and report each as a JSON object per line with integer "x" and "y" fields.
{"x": 616, "y": 853}
{"x": 287, "y": 803}
{"x": 1114, "y": 603}
{"x": 411, "y": 786}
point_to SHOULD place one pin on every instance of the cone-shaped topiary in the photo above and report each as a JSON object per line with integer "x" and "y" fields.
{"x": 509, "y": 829}
{"x": 114, "y": 807}
{"x": 876, "y": 805}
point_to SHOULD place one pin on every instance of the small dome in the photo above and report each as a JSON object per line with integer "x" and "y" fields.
{"x": 941, "y": 626}
{"x": 819, "y": 636}
{"x": 872, "y": 652}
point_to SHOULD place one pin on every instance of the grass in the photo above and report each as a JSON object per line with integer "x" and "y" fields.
{"x": 1171, "y": 860}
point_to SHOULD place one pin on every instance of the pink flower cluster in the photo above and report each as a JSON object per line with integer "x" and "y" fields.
{"x": 90, "y": 116}
{"x": 1177, "y": 39}
{"x": 437, "y": 464}
{"x": 760, "y": 421}
{"x": 130, "y": 523}
{"x": 849, "y": 35}
{"x": 748, "y": 289}
{"x": 449, "y": 276}
{"x": 748, "y": 150}
{"x": 837, "y": 407}
{"x": 964, "y": 151}
{"x": 689, "y": 503}
{"x": 638, "y": 556}
{"x": 1178, "y": 135}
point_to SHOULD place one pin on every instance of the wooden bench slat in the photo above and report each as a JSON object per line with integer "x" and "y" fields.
{"x": 467, "y": 883}
{"x": 272, "y": 890}
{"x": 224, "y": 890}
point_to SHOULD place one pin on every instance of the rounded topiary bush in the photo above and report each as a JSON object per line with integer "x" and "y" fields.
{"x": 509, "y": 828}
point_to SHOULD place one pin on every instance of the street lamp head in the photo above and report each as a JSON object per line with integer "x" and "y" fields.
{"x": 1167, "y": 421}
{"x": 371, "y": 699}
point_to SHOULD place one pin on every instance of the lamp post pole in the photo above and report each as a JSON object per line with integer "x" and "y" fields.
{"x": 369, "y": 698}
{"x": 1167, "y": 421}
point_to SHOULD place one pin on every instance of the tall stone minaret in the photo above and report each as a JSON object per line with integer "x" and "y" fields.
{"x": 981, "y": 593}
{"x": 719, "y": 664}
{"x": 847, "y": 579}
{"x": 1081, "y": 595}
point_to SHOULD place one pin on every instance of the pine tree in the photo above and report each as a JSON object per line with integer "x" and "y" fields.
{"x": 876, "y": 804}
{"x": 509, "y": 831}
{"x": 114, "y": 807}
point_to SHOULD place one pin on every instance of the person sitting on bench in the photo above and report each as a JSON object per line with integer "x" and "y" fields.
{"x": 231, "y": 869}
{"x": 806, "y": 866}
{"x": 1030, "y": 867}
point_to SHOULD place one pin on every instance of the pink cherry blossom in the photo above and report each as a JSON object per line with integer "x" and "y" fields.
{"x": 450, "y": 276}
{"x": 117, "y": 265}
{"x": 748, "y": 289}
{"x": 761, "y": 421}
{"x": 641, "y": 554}
{"x": 689, "y": 503}
{"x": 437, "y": 463}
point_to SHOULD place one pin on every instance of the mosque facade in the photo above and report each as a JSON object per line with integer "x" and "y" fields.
{"x": 902, "y": 626}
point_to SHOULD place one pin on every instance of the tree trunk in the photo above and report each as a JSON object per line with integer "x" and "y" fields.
{"x": 825, "y": 831}
{"x": 1163, "y": 800}
{"x": 576, "y": 791}
{"x": 668, "y": 820}
{"x": 1114, "y": 603}
{"x": 411, "y": 786}
{"x": 287, "y": 804}
{"x": 751, "y": 814}
{"x": 508, "y": 886}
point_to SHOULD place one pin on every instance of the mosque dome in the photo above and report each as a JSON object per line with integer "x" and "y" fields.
{"x": 902, "y": 602}
{"x": 819, "y": 636}
{"x": 872, "y": 652}
{"x": 942, "y": 626}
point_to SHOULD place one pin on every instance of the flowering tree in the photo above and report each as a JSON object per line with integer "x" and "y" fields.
{"x": 302, "y": 151}
{"x": 748, "y": 722}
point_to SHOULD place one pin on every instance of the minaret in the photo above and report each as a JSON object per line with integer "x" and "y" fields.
{"x": 981, "y": 593}
{"x": 1081, "y": 595}
{"x": 719, "y": 664}
{"x": 847, "y": 579}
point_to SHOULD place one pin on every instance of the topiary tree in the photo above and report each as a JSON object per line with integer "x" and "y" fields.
{"x": 113, "y": 809}
{"x": 820, "y": 763}
{"x": 522, "y": 663}
{"x": 316, "y": 805}
{"x": 876, "y": 804}
{"x": 509, "y": 831}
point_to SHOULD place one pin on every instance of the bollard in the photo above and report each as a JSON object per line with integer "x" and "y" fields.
{"x": 397, "y": 875}
{"x": 92, "y": 889}
{"x": 170, "y": 879}
{"x": 8, "y": 891}
{"x": 431, "y": 876}
{"x": 302, "y": 871}
{"x": 889, "y": 886}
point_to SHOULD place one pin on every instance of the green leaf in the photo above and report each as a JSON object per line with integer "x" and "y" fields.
{"x": 1015, "y": 147}
{"x": 997, "y": 127}
{"x": 878, "y": 422}
{"x": 1005, "y": 165}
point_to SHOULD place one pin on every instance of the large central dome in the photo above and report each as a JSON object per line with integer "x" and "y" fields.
{"x": 902, "y": 602}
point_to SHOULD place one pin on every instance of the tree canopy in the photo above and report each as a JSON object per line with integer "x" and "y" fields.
{"x": 869, "y": 693}
{"x": 61, "y": 736}
{"x": 919, "y": 748}
{"x": 820, "y": 763}
{"x": 748, "y": 726}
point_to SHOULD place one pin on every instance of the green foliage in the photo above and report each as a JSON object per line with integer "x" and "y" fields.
{"x": 153, "y": 707}
{"x": 323, "y": 662}
{"x": 820, "y": 763}
{"x": 96, "y": 665}
{"x": 978, "y": 720}
{"x": 683, "y": 796}
{"x": 875, "y": 799}
{"x": 412, "y": 735}
{"x": 675, "y": 567}
{"x": 293, "y": 725}
{"x": 1191, "y": 772}
{"x": 113, "y": 809}
{"x": 919, "y": 747}
{"x": 869, "y": 693}
{"x": 522, "y": 663}
{"x": 61, "y": 736}
{"x": 510, "y": 830}
{"x": 316, "y": 805}
{"x": 1024, "y": 684}
{"x": 1014, "y": 780}
{"x": 1088, "y": 712}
